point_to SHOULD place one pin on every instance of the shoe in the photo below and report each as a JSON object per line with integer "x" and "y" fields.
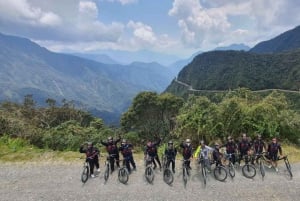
{"x": 276, "y": 169}
{"x": 92, "y": 175}
{"x": 98, "y": 170}
{"x": 270, "y": 166}
{"x": 241, "y": 165}
{"x": 159, "y": 168}
{"x": 134, "y": 169}
{"x": 154, "y": 167}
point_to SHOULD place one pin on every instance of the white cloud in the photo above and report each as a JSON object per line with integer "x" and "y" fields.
{"x": 206, "y": 23}
{"x": 124, "y": 2}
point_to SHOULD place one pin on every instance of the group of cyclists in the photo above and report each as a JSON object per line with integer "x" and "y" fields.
{"x": 237, "y": 149}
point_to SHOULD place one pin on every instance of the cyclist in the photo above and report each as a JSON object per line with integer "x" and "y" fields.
{"x": 244, "y": 147}
{"x": 258, "y": 146}
{"x": 112, "y": 149}
{"x": 217, "y": 155}
{"x": 151, "y": 150}
{"x": 273, "y": 148}
{"x": 126, "y": 150}
{"x": 231, "y": 148}
{"x": 170, "y": 153}
{"x": 187, "y": 152}
{"x": 204, "y": 154}
{"x": 91, "y": 156}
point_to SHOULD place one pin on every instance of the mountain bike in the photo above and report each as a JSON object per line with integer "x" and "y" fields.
{"x": 229, "y": 163}
{"x": 123, "y": 174}
{"x": 287, "y": 164}
{"x": 262, "y": 161}
{"x": 185, "y": 171}
{"x": 149, "y": 172}
{"x": 85, "y": 172}
{"x": 167, "y": 173}
{"x": 248, "y": 169}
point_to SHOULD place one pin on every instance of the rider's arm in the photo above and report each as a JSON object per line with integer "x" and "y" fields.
{"x": 103, "y": 143}
{"x": 280, "y": 149}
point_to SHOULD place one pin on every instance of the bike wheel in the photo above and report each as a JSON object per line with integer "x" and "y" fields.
{"x": 149, "y": 174}
{"x": 168, "y": 176}
{"x": 85, "y": 174}
{"x": 123, "y": 175}
{"x": 184, "y": 175}
{"x": 231, "y": 169}
{"x": 106, "y": 172}
{"x": 220, "y": 173}
{"x": 249, "y": 171}
{"x": 204, "y": 174}
{"x": 262, "y": 169}
{"x": 288, "y": 167}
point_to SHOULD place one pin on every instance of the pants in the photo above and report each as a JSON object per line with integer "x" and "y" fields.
{"x": 112, "y": 160}
{"x": 93, "y": 162}
{"x": 156, "y": 158}
{"x": 172, "y": 161}
{"x": 129, "y": 160}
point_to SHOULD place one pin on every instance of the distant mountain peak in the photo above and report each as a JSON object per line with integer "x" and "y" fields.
{"x": 237, "y": 47}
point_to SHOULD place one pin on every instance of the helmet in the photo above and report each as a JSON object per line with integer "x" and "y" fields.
{"x": 170, "y": 142}
{"x": 216, "y": 144}
{"x": 124, "y": 141}
{"x": 109, "y": 138}
{"x": 229, "y": 138}
{"x": 90, "y": 144}
{"x": 202, "y": 142}
{"x": 188, "y": 141}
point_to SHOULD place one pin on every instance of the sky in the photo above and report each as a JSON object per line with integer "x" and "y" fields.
{"x": 175, "y": 27}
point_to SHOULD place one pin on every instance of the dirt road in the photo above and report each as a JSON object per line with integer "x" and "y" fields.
{"x": 61, "y": 181}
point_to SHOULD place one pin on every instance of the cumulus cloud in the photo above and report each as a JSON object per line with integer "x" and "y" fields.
{"x": 205, "y": 23}
{"x": 124, "y": 2}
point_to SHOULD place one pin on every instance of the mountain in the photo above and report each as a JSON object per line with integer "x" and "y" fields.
{"x": 145, "y": 56}
{"x": 108, "y": 89}
{"x": 102, "y": 58}
{"x": 286, "y": 41}
{"x": 234, "y": 47}
{"x": 224, "y": 70}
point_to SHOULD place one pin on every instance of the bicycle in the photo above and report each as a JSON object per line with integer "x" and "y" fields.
{"x": 261, "y": 161}
{"x": 230, "y": 165}
{"x": 149, "y": 172}
{"x": 287, "y": 164}
{"x": 248, "y": 169}
{"x": 85, "y": 172}
{"x": 123, "y": 174}
{"x": 204, "y": 168}
{"x": 185, "y": 171}
{"x": 167, "y": 173}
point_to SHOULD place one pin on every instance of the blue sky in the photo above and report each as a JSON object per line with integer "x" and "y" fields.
{"x": 176, "y": 27}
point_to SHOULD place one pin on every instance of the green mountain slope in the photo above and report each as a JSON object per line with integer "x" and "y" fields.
{"x": 224, "y": 70}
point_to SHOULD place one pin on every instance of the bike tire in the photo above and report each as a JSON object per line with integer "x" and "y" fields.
{"x": 249, "y": 171}
{"x": 204, "y": 175}
{"x": 184, "y": 176}
{"x": 149, "y": 174}
{"x": 106, "y": 172}
{"x": 262, "y": 169}
{"x": 288, "y": 167}
{"x": 85, "y": 174}
{"x": 231, "y": 169}
{"x": 220, "y": 173}
{"x": 168, "y": 176}
{"x": 123, "y": 175}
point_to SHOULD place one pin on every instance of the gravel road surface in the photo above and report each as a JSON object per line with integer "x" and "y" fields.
{"x": 61, "y": 181}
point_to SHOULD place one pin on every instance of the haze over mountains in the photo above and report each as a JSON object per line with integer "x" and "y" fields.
{"x": 101, "y": 84}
